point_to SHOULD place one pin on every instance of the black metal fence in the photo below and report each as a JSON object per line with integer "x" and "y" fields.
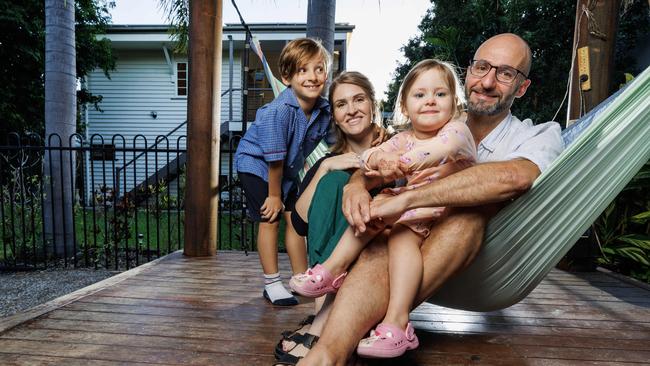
{"x": 95, "y": 201}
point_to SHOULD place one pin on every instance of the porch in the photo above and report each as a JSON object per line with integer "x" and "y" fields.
{"x": 200, "y": 311}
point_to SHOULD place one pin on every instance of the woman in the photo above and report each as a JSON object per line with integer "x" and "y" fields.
{"x": 356, "y": 123}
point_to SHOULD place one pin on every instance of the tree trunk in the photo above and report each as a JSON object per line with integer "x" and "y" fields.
{"x": 60, "y": 119}
{"x": 320, "y": 24}
{"x": 203, "y": 128}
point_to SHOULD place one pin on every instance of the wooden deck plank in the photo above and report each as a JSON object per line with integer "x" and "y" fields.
{"x": 196, "y": 311}
{"x": 129, "y": 354}
{"x": 8, "y": 359}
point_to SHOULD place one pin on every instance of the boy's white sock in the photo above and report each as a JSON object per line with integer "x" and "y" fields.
{"x": 275, "y": 292}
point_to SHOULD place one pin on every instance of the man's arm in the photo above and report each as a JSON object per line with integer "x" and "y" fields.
{"x": 478, "y": 185}
{"x": 356, "y": 199}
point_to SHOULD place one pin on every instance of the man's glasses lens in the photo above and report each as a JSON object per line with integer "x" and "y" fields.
{"x": 504, "y": 74}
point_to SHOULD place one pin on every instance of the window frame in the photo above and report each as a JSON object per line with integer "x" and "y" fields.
{"x": 177, "y": 79}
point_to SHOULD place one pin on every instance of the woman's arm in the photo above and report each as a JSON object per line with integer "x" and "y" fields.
{"x": 338, "y": 162}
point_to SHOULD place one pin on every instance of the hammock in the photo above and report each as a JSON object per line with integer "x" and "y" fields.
{"x": 528, "y": 237}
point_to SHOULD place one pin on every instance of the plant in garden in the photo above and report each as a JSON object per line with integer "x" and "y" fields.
{"x": 624, "y": 229}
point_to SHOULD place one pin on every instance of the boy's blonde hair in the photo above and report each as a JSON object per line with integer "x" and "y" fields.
{"x": 450, "y": 76}
{"x": 299, "y": 51}
{"x": 360, "y": 80}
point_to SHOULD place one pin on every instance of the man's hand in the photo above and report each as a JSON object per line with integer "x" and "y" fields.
{"x": 271, "y": 208}
{"x": 356, "y": 206}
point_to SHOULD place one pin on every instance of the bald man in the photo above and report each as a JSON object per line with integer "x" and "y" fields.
{"x": 511, "y": 154}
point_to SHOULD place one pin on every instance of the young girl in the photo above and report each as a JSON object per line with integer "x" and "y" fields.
{"x": 436, "y": 144}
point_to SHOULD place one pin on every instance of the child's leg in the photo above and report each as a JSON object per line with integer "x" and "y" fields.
{"x": 327, "y": 277}
{"x": 267, "y": 246}
{"x": 296, "y": 247}
{"x": 405, "y": 274}
{"x": 346, "y": 251}
{"x": 256, "y": 191}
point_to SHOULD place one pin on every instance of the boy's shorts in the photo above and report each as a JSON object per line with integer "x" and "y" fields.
{"x": 256, "y": 191}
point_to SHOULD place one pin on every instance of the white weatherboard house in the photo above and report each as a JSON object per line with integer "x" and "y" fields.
{"x": 145, "y": 99}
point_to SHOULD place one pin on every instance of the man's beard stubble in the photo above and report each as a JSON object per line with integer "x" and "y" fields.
{"x": 502, "y": 104}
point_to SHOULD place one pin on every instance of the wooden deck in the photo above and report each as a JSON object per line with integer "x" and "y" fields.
{"x": 210, "y": 311}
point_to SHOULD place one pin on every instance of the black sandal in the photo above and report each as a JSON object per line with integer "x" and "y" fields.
{"x": 287, "y": 360}
{"x": 288, "y": 334}
{"x": 307, "y": 321}
{"x": 307, "y": 340}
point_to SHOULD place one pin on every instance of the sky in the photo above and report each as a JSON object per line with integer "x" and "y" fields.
{"x": 382, "y": 27}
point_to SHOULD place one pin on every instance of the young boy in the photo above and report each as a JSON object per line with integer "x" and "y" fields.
{"x": 272, "y": 152}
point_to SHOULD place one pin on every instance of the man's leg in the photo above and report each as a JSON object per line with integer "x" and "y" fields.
{"x": 450, "y": 248}
{"x": 363, "y": 299}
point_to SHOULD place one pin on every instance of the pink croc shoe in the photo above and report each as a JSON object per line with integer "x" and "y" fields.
{"x": 316, "y": 282}
{"x": 388, "y": 341}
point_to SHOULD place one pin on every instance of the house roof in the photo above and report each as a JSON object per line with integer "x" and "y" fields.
{"x": 229, "y": 27}
{"x": 146, "y": 36}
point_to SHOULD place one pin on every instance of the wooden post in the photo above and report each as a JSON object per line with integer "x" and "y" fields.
{"x": 595, "y": 27}
{"x": 203, "y": 128}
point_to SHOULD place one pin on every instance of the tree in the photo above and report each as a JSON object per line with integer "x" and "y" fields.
{"x": 320, "y": 22}
{"x": 60, "y": 123}
{"x": 320, "y": 25}
{"x": 22, "y": 56}
{"x": 178, "y": 14}
{"x": 453, "y": 29}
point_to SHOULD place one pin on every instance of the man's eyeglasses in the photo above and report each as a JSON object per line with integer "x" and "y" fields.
{"x": 504, "y": 74}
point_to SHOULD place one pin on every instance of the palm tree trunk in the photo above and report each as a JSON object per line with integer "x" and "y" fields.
{"x": 60, "y": 119}
{"x": 320, "y": 22}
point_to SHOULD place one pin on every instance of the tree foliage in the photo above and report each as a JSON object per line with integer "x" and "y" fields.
{"x": 178, "y": 14}
{"x": 22, "y": 57}
{"x": 453, "y": 29}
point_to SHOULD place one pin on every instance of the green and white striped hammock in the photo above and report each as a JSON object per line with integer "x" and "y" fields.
{"x": 529, "y": 236}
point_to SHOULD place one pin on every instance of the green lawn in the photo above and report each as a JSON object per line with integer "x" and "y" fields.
{"x": 101, "y": 233}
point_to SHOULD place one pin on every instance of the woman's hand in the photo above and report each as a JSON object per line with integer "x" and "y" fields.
{"x": 271, "y": 208}
{"x": 342, "y": 162}
{"x": 381, "y": 135}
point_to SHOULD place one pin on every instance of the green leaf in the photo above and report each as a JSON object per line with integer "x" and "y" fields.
{"x": 640, "y": 241}
{"x": 435, "y": 41}
{"x": 641, "y": 218}
{"x": 635, "y": 254}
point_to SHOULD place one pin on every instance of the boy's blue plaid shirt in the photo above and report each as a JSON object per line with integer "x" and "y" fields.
{"x": 282, "y": 132}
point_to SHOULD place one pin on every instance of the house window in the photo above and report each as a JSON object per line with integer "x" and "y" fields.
{"x": 181, "y": 78}
{"x": 259, "y": 92}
